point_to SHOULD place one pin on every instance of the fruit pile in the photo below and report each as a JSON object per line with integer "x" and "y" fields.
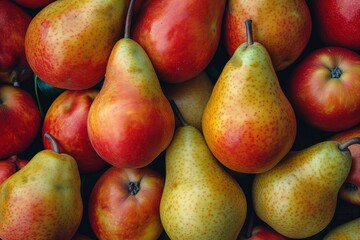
{"x": 226, "y": 119}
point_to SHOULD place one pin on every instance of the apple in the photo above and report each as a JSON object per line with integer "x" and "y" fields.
{"x": 124, "y": 204}
{"x": 33, "y": 3}
{"x": 19, "y": 120}
{"x": 337, "y": 22}
{"x": 350, "y": 190}
{"x": 283, "y": 27}
{"x": 66, "y": 121}
{"x": 9, "y": 166}
{"x": 262, "y": 232}
{"x": 14, "y": 22}
{"x": 324, "y": 89}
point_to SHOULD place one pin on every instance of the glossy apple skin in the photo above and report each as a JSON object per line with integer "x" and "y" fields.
{"x": 9, "y": 166}
{"x": 180, "y": 37}
{"x": 350, "y": 190}
{"x": 33, "y": 3}
{"x": 14, "y": 22}
{"x": 260, "y": 232}
{"x": 19, "y": 120}
{"x": 284, "y": 29}
{"x": 325, "y": 102}
{"x": 114, "y": 213}
{"x": 66, "y": 121}
{"x": 337, "y": 22}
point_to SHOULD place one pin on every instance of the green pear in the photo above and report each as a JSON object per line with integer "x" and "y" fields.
{"x": 130, "y": 122}
{"x": 68, "y": 43}
{"x": 200, "y": 199}
{"x": 248, "y": 123}
{"x": 43, "y": 199}
{"x": 191, "y": 97}
{"x": 346, "y": 231}
{"x": 298, "y": 196}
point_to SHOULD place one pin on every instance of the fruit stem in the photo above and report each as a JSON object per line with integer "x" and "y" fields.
{"x": 335, "y": 72}
{"x": 54, "y": 143}
{"x": 128, "y": 19}
{"x": 178, "y": 114}
{"x": 249, "y": 34}
{"x": 134, "y": 188}
{"x": 344, "y": 146}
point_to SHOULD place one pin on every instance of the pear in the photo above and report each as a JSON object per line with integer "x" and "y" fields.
{"x": 130, "y": 121}
{"x": 248, "y": 123}
{"x": 68, "y": 43}
{"x": 298, "y": 197}
{"x": 200, "y": 199}
{"x": 43, "y": 199}
{"x": 191, "y": 97}
{"x": 346, "y": 231}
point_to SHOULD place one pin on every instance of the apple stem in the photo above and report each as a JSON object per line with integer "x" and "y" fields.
{"x": 335, "y": 72}
{"x": 54, "y": 143}
{"x": 344, "y": 146}
{"x": 134, "y": 188}
{"x": 249, "y": 34}
{"x": 178, "y": 114}
{"x": 128, "y": 19}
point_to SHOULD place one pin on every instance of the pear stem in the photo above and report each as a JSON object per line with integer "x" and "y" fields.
{"x": 178, "y": 114}
{"x": 344, "y": 146}
{"x": 54, "y": 143}
{"x": 249, "y": 33}
{"x": 128, "y": 19}
{"x": 250, "y": 228}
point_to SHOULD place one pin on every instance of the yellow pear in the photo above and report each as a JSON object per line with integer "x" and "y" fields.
{"x": 191, "y": 97}
{"x": 346, "y": 231}
{"x": 298, "y": 197}
{"x": 248, "y": 123}
{"x": 200, "y": 199}
{"x": 42, "y": 200}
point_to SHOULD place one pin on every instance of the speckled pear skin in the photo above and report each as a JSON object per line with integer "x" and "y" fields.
{"x": 42, "y": 200}
{"x": 298, "y": 197}
{"x": 200, "y": 199}
{"x": 248, "y": 123}
{"x": 346, "y": 231}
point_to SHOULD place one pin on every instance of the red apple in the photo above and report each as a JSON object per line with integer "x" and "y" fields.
{"x": 9, "y": 166}
{"x": 261, "y": 232}
{"x": 324, "y": 89}
{"x": 66, "y": 121}
{"x": 19, "y": 120}
{"x": 33, "y": 3}
{"x": 124, "y": 204}
{"x": 13, "y": 25}
{"x": 337, "y": 22}
{"x": 350, "y": 190}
